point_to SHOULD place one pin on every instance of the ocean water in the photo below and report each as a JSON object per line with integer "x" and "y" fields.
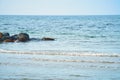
{"x": 85, "y": 48}
{"x": 72, "y": 33}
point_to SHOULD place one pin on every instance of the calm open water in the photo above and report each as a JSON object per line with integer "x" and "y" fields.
{"x": 85, "y": 48}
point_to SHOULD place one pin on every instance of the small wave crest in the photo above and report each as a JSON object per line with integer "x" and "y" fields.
{"x": 63, "y": 53}
{"x": 81, "y": 61}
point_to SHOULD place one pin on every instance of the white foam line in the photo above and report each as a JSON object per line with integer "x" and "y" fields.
{"x": 61, "y": 53}
{"x": 66, "y": 60}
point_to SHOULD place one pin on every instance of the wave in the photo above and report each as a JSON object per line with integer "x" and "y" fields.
{"x": 81, "y": 61}
{"x": 64, "y": 53}
{"x": 80, "y": 66}
{"x": 92, "y": 62}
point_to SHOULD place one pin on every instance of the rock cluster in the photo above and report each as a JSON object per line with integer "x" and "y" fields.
{"x": 21, "y": 37}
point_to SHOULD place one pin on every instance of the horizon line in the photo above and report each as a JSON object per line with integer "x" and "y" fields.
{"x": 61, "y": 14}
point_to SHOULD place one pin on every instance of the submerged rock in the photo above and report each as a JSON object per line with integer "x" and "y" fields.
{"x": 47, "y": 39}
{"x": 23, "y": 37}
{"x": 34, "y": 39}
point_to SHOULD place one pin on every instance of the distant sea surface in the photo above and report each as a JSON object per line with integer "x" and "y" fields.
{"x": 72, "y": 33}
{"x": 85, "y": 48}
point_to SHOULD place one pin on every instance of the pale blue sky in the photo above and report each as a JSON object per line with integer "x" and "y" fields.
{"x": 60, "y": 7}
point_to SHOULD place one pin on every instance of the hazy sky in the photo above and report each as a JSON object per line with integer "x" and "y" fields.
{"x": 60, "y": 7}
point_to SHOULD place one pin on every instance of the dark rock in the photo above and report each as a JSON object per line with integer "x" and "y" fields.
{"x": 48, "y": 39}
{"x": 23, "y": 37}
{"x": 1, "y": 40}
{"x": 14, "y": 37}
{"x": 8, "y": 40}
{"x": 1, "y": 35}
{"x": 4, "y": 38}
{"x": 6, "y": 34}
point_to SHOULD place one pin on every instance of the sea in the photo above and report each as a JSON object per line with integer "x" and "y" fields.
{"x": 86, "y": 47}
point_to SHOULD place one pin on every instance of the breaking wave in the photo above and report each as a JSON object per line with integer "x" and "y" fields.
{"x": 64, "y": 53}
{"x": 81, "y": 61}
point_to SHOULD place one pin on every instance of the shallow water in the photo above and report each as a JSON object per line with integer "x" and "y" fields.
{"x": 21, "y": 66}
{"x": 85, "y": 48}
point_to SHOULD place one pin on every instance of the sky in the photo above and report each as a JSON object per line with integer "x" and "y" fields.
{"x": 59, "y": 7}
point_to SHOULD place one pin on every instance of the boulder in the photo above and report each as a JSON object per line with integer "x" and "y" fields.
{"x": 1, "y": 40}
{"x": 47, "y": 39}
{"x": 8, "y": 40}
{"x": 23, "y": 37}
{"x": 6, "y": 34}
{"x": 5, "y": 37}
{"x": 14, "y": 37}
{"x": 1, "y": 35}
